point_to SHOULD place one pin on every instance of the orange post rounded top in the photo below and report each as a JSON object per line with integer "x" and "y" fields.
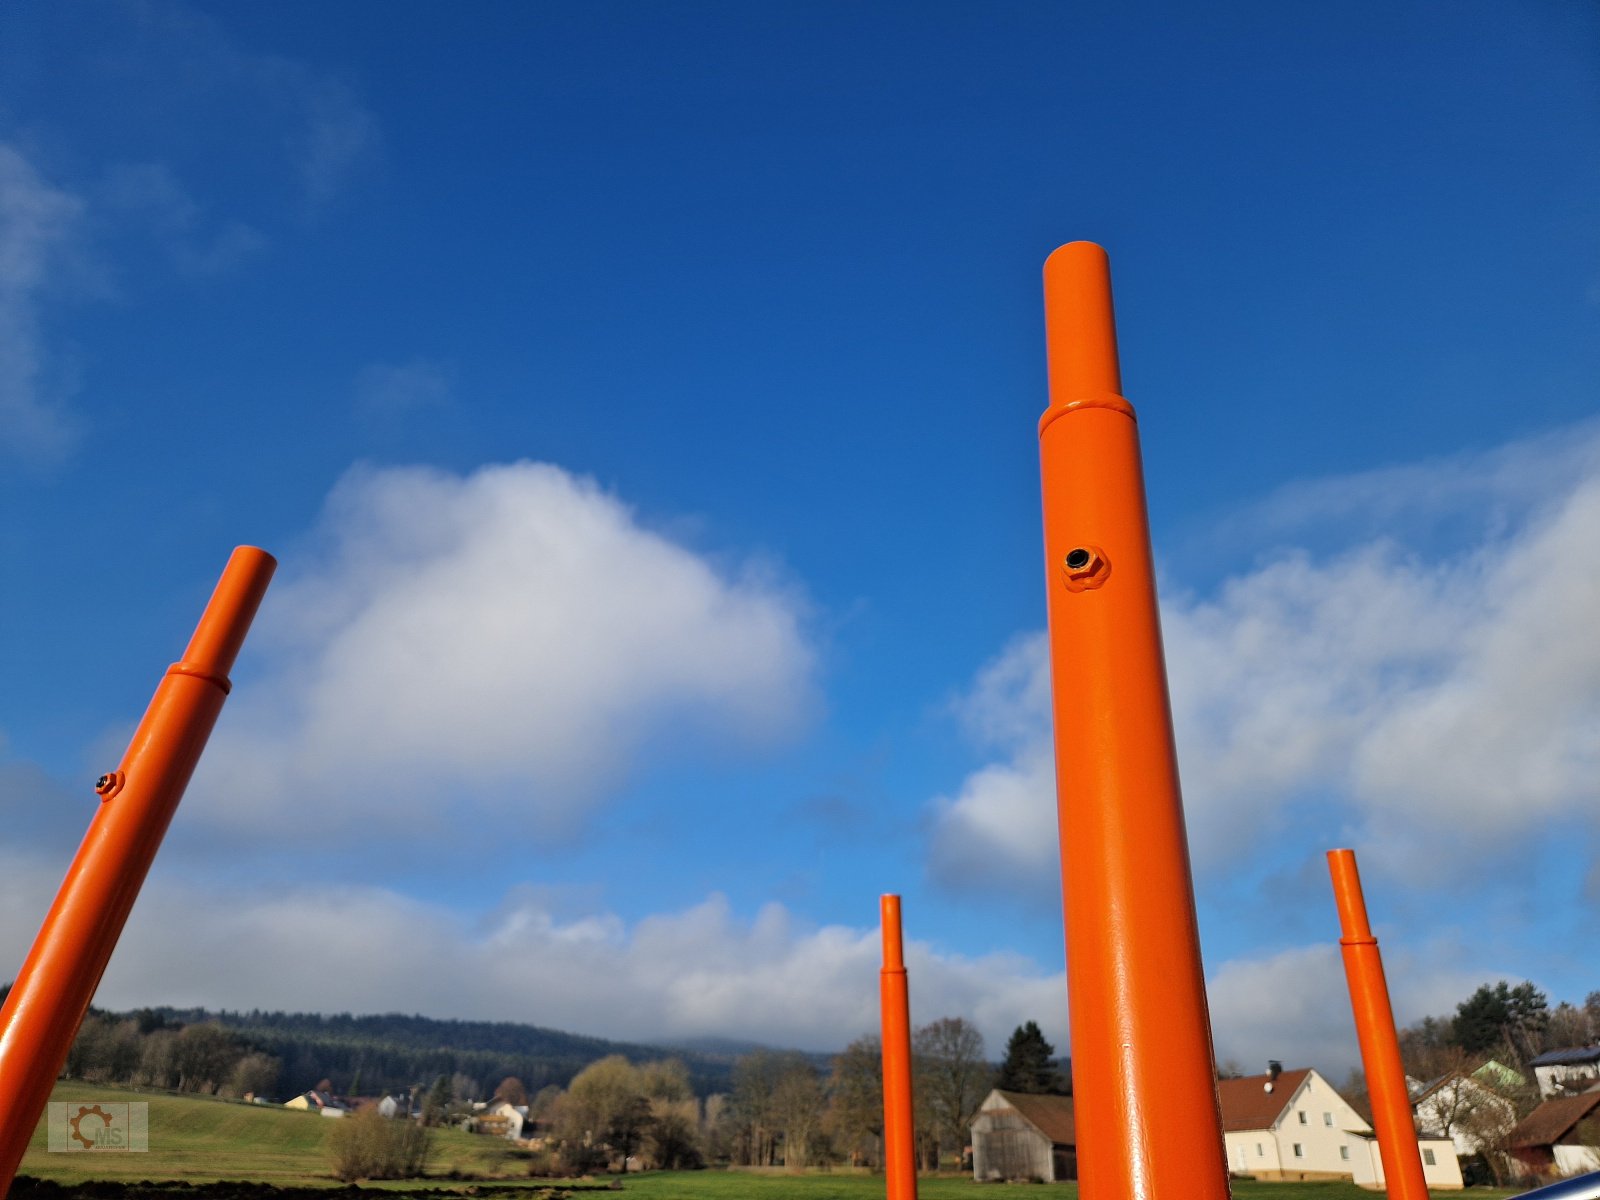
{"x": 1080, "y": 325}
{"x": 1353, "y": 923}
{"x": 227, "y": 616}
{"x": 893, "y": 949}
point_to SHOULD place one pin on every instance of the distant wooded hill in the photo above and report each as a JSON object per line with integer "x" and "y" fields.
{"x": 392, "y": 1052}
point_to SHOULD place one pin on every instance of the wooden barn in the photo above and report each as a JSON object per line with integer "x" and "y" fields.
{"x": 1020, "y": 1136}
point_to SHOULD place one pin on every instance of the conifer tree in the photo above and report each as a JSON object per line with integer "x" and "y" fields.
{"x": 1028, "y": 1066}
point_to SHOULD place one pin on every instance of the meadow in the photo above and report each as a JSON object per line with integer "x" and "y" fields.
{"x": 201, "y": 1140}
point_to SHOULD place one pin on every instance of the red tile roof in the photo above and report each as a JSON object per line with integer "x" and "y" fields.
{"x": 1246, "y": 1104}
{"x": 1553, "y": 1120}
{"x": 1050, "y": 1115}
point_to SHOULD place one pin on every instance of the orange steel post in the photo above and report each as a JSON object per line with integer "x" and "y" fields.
{"x": 1380, "y": 1048}
{"x": 1142, "y": 1065}
{"x": 899, "y": 1149}
{"x": 62, "y": 970}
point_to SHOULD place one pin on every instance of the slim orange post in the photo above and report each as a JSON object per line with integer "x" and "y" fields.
{"x": 899, "y": 1130}
{"x": 58, "y": 979}
{"x": 1380, "y": 1048}
{"x": 1142, "y": 1065}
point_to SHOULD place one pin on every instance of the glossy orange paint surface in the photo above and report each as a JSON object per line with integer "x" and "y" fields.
{"x": 58, "y": 979}
{"x": 899, "y": 1146}
{"x": 1380, "y": 1047}
{"x": 1143, "y": 1073}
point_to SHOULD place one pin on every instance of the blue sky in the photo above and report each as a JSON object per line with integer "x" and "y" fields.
{"x": 641, "y": 401}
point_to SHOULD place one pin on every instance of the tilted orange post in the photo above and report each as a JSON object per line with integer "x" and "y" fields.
{"x": 899, "y": 1130}
{"x": 1380, "y": 1047}
{"x": 1144, "y": 1081}
{"x": 58, "y": 979}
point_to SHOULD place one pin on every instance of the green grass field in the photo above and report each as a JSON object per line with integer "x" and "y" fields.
{"x": 201, "y": 1140}
{"x": 736, "y": 1185}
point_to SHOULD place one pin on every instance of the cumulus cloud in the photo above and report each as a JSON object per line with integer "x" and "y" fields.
{"x": 386, "y": 391}
{"x": 288, "y": 112}
{"x": 1000, "y": 827}
{"x": 1294, "y": 1004}
{"x": 505, "y": 643}
{"x": 701, "y": 971}
{"x": 1451, "y": 699}
{"x": 38, "y": 225}
{"x": 339, "y": 134}
{"x": 149, "y": 196}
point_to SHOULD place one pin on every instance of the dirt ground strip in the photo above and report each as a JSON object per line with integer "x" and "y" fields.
{"x": 26, "y": 1188}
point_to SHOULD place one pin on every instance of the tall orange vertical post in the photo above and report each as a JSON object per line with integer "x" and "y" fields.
{"x": 1380, "y": 1047}
{"x": 899, "y": 1127}
{"x": 1144, "y": 1079}
{"x": 58, "y": 978}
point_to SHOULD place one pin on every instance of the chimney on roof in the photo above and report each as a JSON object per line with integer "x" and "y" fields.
{"x": 1274, "y": 1069}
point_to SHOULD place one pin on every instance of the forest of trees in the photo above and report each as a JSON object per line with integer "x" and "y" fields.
{"x": 1510, "y": 1024}
{"x": 784, "y": 1111}
{"x": 596, "y": 1100}
{"x": 279, "y": 1055}
{"x": 785, "y": 1108}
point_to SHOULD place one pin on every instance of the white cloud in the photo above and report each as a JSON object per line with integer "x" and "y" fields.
{"x": 1000, "y": 827}
{"x": 288, "y": 112}
{"x": 396, "y": 390}
{"x": 1294, "y": 1004}
{"x": 149, "y": 196}
{"x": 339, "y": 134}
{"x": 38, "y": 224}
{"x": 702, "y": 971}
{"x": 504, "y": 643}
{"x": 1434, "y": 707}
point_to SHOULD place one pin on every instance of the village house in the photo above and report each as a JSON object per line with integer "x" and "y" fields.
{"x": 502, "y": 1119}
{"x": 1441, "y": 1169}
{"x": 1549, "y": 1140}
{"x": 396, "y": 1104}
{"x": 1566, "y": 1072}
{"x": 1289, "y": 1127}
{"x": 325, "y": 1103}
{"x": 1021, "y": 1136}
{"x": 1295, "y": 1126}
{"x": 1461, "y": 1108}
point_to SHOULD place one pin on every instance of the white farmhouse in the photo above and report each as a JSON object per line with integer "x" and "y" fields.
{"x": 1291, "y": 1127}
{"x": 1297, "y": 1127}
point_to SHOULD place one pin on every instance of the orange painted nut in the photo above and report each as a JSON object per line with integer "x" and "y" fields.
{"x": 1085, "y": 568}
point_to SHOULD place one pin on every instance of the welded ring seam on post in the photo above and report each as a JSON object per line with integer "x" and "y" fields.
{"x": 1358, "y": 941}
{"x": 196, "y": 671}
{"x": 1108, "y": 400}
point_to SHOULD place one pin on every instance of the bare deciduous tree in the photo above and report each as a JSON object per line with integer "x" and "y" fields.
{"x": 798, "y": 1105}
{"x": 952, "y": 1078}
{"x": 511, "y": 1091}
{"x": 855, "y": 1109}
